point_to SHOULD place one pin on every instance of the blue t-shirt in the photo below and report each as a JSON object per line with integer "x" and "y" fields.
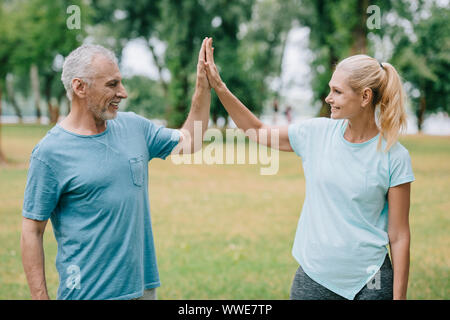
{"x": 342, "y": 234}
{"x": 95, "y": 191}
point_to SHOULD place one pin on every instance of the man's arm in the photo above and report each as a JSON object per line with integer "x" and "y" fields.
{"x": 31, "y": 244}
{"x": 399, "y": 236}
{"x": 199, "y": 113}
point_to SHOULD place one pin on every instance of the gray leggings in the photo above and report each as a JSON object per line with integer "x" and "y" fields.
{"x": 305, "y": 288}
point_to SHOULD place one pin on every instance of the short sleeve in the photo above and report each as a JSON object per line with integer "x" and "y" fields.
{"x": 400, "y": 166}
{"x": 298, "y": 135}
{"x": 160, "y": 140}
{"x": 41, "y": 191}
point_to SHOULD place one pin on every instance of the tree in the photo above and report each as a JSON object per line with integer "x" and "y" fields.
{"x": 264, "y": 44}
{"x": 338, "y": 29}
{"x": 8, "y": 45}
{"x": 145, "y": 97}
{"x": 423, "y": 58}
{"x": 44, "y": 36}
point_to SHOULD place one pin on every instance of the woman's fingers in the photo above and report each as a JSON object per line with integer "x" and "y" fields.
{"x": 209, "y": 54}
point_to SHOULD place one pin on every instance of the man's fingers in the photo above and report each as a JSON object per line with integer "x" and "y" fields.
{"x": 202, "y": 53}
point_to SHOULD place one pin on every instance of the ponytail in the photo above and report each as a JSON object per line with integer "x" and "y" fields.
{"x": 388, "y": 94}
{"x": 392, "y": 116}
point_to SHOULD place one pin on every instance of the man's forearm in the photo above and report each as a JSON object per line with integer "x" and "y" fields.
{"x": 200, "y": 107}
{"x": 34, "y": 266}
{"x": 400, "y": 263}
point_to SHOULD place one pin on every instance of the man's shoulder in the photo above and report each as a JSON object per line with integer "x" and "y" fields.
{"x": 48, "y": 144}
{"x": 128, "y": 116}
{"x": 131, "y": 119}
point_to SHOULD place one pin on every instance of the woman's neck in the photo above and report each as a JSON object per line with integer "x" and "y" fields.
{"x": 361, "y": 130}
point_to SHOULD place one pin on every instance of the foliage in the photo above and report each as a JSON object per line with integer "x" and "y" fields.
{"x": 249, "y": 40}
{"x": 424, "y": 60}
{"x": 145, "y": 97}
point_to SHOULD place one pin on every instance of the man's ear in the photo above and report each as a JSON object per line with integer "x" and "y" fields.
{"x": 79, "y": 87}
{"x": 367, "y": 95}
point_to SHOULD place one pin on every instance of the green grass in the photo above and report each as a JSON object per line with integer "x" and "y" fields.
{"x": 226, "y": 232}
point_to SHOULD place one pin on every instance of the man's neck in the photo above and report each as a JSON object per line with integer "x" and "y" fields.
{"x": 82, "y": 121}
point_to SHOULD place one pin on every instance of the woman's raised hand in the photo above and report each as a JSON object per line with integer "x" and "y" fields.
{"x": 211, "y": 70}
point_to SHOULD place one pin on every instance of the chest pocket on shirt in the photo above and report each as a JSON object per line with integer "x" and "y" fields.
{"x": 137, "y": 170}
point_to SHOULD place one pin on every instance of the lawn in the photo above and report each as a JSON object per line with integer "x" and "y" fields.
{"x": 226, "y": 232}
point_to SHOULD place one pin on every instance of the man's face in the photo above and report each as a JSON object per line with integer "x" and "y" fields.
{"x": 106, "y": 90}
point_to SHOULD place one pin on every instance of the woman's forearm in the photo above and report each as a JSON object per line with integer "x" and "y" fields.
{"x": 241, "y": 115}
{"x": 400, "y": 263}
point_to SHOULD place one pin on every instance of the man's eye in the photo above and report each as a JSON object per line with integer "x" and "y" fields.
{"x": 337, "y": 91}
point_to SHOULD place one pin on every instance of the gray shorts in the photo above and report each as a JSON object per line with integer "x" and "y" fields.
{"x": 380, "y": 287}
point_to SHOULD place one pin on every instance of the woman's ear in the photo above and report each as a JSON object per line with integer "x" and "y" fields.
{"x": 367, "y": 95}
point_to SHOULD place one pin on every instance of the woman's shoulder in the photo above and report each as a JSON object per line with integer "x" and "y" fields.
{"x": 318, "y": 122}
{"x": 398, "y": 150}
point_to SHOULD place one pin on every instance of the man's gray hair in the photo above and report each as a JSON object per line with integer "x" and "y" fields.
{"x": 78, "y": 64}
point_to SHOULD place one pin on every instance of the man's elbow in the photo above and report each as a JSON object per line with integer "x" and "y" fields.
{"x": 33, "y": 228}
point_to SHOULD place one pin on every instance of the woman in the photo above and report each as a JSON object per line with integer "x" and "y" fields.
{"x": 357, "y": 183}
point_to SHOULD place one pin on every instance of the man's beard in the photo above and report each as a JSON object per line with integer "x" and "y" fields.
{"x": 101, "y": 113}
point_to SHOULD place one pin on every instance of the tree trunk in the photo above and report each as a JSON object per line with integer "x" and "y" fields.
{"x": 360, "y": 30}
{"x": 34, "y": 77}
{"x": 11, "y": 96}
{"x": 159, "y": 66}
{"x": 325, "y": 110}
{"x": 53, "y": 110}
{"x": 421, "y": 111}
{"x": 2, "y": 155}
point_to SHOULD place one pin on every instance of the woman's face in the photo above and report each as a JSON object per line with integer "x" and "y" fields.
{"x": 344, "y": 102}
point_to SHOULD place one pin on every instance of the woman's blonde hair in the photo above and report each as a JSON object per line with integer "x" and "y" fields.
{"x": 388, "y": 95}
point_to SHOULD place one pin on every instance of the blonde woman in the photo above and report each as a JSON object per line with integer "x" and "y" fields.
{"x": 357, "y": 183}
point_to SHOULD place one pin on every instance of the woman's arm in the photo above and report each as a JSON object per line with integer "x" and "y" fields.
{"x": 399, "y": 236}
{"x": 272, "y": 136}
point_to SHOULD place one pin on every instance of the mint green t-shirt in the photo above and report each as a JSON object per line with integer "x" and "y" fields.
{"x": 342, "y": 234}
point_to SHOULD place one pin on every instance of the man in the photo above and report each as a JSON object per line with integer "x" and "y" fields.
{"x": 89, "y": 175}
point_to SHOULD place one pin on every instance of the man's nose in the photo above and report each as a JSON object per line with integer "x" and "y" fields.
{"x": 122, "y": 92}
{"x": 328, "y": 99}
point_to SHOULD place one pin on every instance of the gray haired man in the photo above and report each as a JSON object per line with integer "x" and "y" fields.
{"x": 89, "y": 175}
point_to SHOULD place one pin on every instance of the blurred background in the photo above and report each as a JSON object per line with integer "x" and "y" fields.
{"x": 277, "y": 57}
